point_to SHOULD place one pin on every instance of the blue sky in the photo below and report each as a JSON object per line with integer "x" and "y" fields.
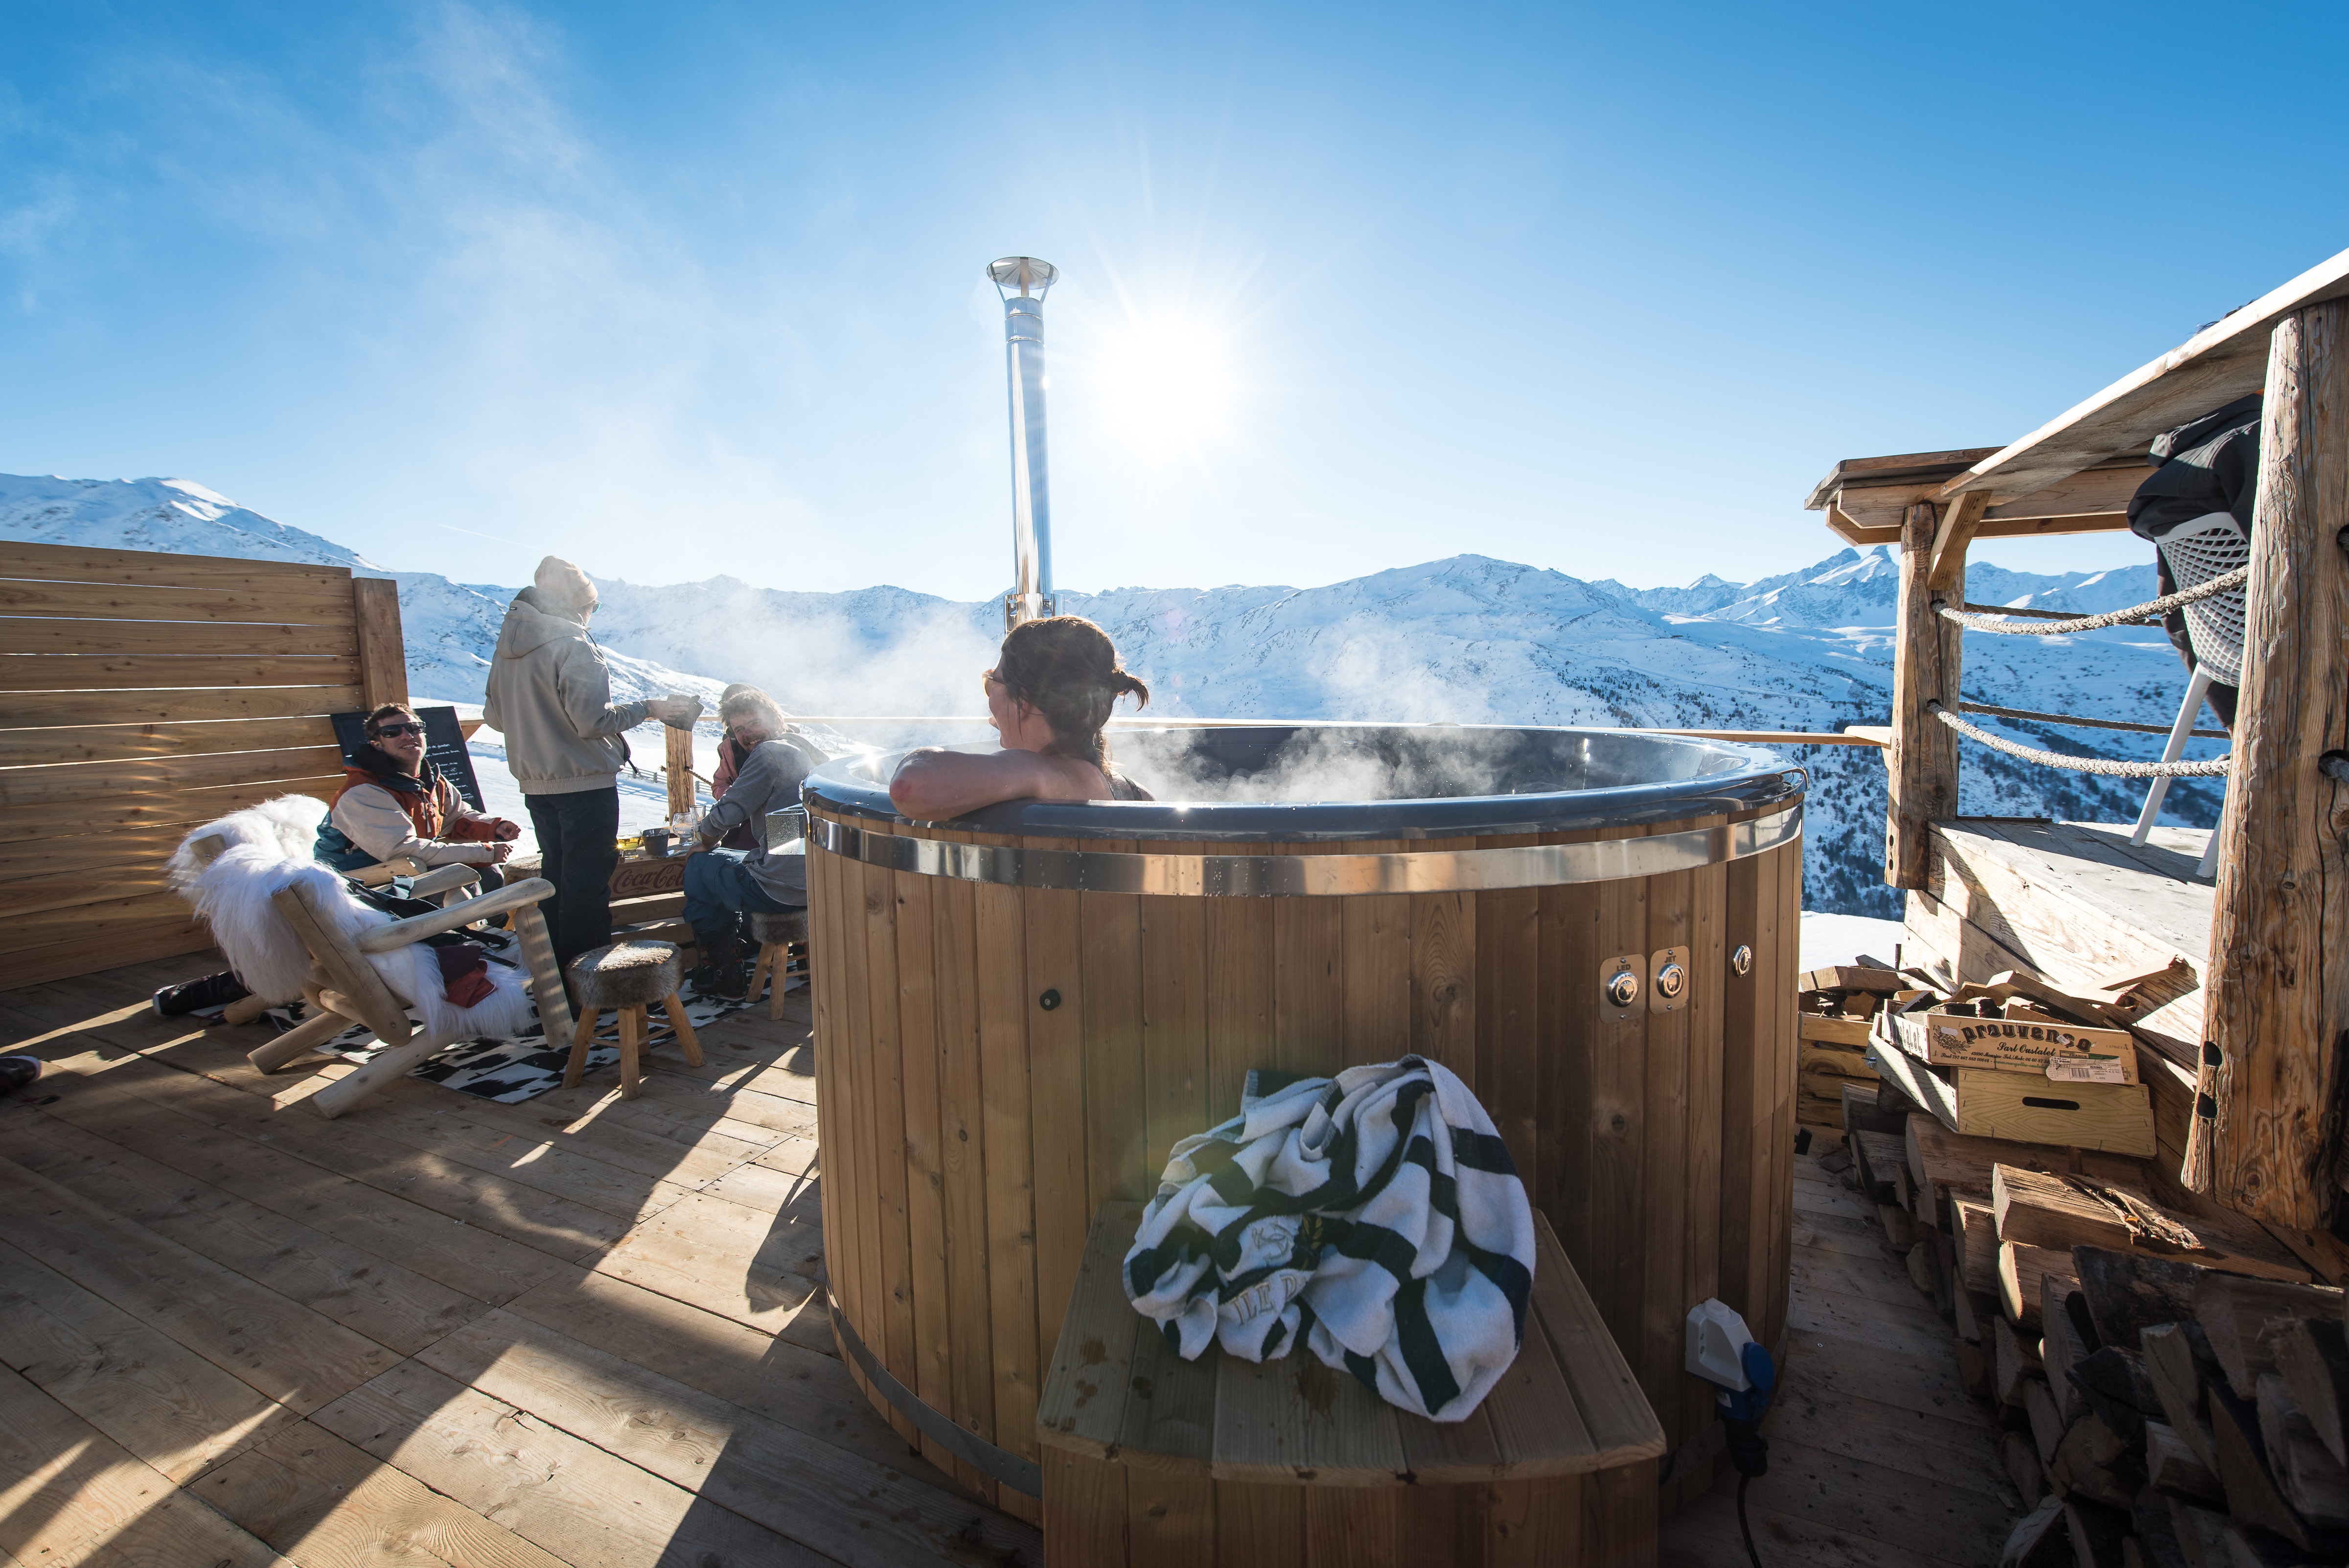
{"x": 697, "y": 287}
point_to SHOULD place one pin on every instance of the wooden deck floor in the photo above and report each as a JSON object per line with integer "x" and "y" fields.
{"x": 1878, "y": 1459}
{"x": 579, "y": 1331}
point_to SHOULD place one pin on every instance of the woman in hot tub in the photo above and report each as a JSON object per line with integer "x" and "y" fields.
{"x": 1047, "y": 697}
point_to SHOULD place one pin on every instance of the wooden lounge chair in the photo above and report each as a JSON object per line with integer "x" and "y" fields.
{"x": 344, "y": 987}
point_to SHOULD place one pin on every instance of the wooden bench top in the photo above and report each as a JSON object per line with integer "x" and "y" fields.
{"x": 1116, "y": 1391}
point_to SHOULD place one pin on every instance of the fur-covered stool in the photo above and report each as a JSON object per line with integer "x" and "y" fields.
{"x": 630, "y": 976}
{"x": 775, "y": 934}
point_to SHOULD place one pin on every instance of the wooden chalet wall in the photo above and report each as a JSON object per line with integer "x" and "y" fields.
{"x": 141, "y": 694}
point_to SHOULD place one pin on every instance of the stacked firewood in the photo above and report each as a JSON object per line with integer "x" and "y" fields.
{"x": 2169, "y": 1380}
{"x": 1835, "y": 1015}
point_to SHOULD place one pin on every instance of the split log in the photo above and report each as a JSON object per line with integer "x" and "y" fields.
{"x": 2311, "y": 1479}
{"x": 2014, "y": 1360}
{"x": 1975, "y": 1228}
{"x": 1920, "y": 1267}
{"x": 2178, "y": 1363}
{"x": 1861, "y": 1113}
{"x": 1973, "y": 1312}
{"x": 2022, "y": 1275}
{"x": 2171, "y": 1465}
{"x": 2201, "y": 1533}
{"x": 2157, "y": 1539}
{"x": 2253, "y": 1497}
{"x": 2233, "y": 1311}
{"x": 2128, "y": 1295}
{"x": 2097, "y": 1529}
{"x": 2041, "y": 1539}
{"x": 2060, "y": 1346}
{"x": 2048, "y": 1208}
{"x": 1875, "y": 1156}
{"x": 1973, "y": 1368}
{"x": 2018, "y": 1456}
{"x": 2117, "y": 1387}
{"x": 2247, "y": 1548}
{"x": 2047, "y": 1427}
{"x": 2092, "y": 1462}
{"x": 2313, "y": 1357}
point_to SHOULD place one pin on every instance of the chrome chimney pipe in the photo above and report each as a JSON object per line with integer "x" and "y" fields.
{"x": 1021, "y": 281}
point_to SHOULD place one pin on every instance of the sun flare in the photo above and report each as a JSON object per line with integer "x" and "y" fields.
{"x": 1167, "y": 385}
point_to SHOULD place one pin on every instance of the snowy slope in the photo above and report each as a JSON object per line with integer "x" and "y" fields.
{"x": 1469, "y": 640}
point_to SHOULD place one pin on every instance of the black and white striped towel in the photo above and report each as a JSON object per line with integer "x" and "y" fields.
{"x": 1376, "y": 1216}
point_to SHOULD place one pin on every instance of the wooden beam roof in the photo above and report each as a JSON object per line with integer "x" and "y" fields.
{"x": 1864, "y": 498}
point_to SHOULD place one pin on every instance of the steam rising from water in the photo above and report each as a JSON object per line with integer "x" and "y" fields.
{"x": 1440, "y": 762}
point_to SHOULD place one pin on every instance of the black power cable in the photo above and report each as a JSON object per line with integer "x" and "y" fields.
{"x": 1749, "y": 1451}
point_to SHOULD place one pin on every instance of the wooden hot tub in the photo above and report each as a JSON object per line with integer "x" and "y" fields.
{"x": 1018, "y": 1013}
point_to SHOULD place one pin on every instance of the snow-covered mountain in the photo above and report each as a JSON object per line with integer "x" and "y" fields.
{"x": 1470, "y": 639}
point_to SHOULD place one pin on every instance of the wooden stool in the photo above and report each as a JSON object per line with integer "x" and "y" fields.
{"x": 774, "y": 934}
{"x": 1291, "y": 1462}
{"x": 630, "y": 976}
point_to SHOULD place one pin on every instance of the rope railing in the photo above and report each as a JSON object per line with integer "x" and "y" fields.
{"x": 2106, "y": 766}
{"x": 1978, "y": 618}
{"x": 2008, "y": 611}
{"x": 2075, "y": 720}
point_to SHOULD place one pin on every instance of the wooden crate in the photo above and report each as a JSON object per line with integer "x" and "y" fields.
{"x": 2030, "y": 1047}
{"x": 2115, "y": 1118}
{"x": 2021, "y": 1108}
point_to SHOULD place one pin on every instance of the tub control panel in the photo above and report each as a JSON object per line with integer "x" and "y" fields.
{"x": 1622, "y": 981}
{"x": 1667, "y": 992}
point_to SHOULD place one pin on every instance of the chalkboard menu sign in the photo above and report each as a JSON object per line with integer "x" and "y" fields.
{"x": 444, "y": 747}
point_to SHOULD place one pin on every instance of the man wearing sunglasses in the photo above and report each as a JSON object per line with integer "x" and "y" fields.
{"x": 393, "y": 802}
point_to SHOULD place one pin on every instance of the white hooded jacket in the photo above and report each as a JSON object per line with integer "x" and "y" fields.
{"x": 550, "y": 694}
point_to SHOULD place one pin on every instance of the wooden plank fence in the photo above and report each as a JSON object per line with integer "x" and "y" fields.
{"x": 142, "y": 693}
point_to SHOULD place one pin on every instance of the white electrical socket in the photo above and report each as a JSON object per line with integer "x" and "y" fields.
{"x": 1717, "y": 1338}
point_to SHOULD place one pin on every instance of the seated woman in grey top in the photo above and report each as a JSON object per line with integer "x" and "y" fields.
{"x": 1048, "y": 696}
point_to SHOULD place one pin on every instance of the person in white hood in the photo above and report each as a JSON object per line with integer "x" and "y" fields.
{"x": 550, "y": 694}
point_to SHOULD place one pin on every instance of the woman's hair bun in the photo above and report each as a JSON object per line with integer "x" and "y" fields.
{"x": 1066, "y": 667}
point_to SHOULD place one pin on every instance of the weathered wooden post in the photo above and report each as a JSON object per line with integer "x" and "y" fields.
{"x": 1925, "y": 669}
{"x": 679, "y": 766}
{"x": 2269, "y": 1109}
{"x": 383, "y": 651}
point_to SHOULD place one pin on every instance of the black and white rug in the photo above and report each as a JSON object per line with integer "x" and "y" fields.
{"x": 526, "y": 1065}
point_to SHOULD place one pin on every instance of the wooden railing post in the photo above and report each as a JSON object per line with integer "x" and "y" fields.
{"x": 383, "y": 652}
{"x": 679, "y": 765}
{"x": 1923, "y": 761}
{"x": 2267, "y": 1123}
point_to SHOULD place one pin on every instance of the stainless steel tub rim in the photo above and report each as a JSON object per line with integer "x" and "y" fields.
{"x": 1633, "y": 779}
{"x": 1312, "y": 876}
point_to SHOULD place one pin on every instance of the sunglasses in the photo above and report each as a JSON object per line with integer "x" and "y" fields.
{"x": 384, "y": 729}
{"x": 988, "y": 682}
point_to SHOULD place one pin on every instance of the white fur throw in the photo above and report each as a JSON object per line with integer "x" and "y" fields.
{"x": 269, "y": 850}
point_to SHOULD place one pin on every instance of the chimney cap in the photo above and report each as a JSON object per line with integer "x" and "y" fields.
{"x": 1026, "y": 275}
